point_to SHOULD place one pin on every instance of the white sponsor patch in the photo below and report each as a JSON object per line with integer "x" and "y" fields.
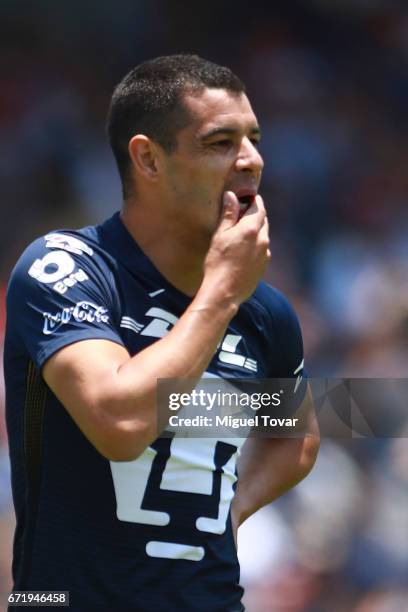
{"x": 81, "y": 312}
{"x": 67, "y": 243}
{"x": 57, "y": 267}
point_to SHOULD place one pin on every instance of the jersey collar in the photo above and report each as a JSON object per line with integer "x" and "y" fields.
{"x": 127, "y": 251}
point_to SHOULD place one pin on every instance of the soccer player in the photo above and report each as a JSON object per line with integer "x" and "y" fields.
{"x": 167, "y": 288}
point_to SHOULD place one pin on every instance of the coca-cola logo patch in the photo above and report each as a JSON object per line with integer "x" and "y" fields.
{"x": 82, "y": 312}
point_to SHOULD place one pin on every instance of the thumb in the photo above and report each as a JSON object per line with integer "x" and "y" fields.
{"x": 230, "y": 211}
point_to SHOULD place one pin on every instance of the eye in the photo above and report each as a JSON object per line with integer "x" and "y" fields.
{"x": 255, "y": 141}
{"x": 224, "y": 143}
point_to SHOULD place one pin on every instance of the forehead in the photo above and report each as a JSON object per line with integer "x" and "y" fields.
{"x": 217, "y": 108}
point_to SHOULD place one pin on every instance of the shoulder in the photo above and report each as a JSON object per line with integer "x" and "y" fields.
{"x": 59, "y": 270}
{"x": 280, "y": 325}
{"x": 273, "y": 304}
{"x": 61, "y": 290}
{"x": 62, "y": 259}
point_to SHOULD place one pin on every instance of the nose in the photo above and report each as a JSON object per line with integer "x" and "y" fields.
{"x": 249, "y": 158}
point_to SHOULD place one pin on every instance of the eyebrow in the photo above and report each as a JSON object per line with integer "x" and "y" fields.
{"x": 226, "y": 130}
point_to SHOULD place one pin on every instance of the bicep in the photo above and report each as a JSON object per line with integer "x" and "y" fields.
{"x": 84, "y": 376}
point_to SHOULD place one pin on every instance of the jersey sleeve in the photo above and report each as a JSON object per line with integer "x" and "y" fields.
{"x": 60, "y": 292}
{"x": 287, "y": 365}
{"x": 289, "y": 335}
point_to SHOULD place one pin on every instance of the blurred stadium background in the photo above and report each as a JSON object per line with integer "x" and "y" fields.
{"x": 329, "y": 82}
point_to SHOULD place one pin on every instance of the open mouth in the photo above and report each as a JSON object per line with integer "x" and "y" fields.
{"x": 245, "y": 202}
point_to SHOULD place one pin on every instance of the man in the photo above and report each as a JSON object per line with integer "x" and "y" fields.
{"x": 170, "y": 288}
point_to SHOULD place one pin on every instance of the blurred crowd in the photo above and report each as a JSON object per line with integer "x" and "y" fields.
{"x": 329, "y": 83}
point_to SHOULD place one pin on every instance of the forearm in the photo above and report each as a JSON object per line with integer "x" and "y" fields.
{"x": 113, "y": 397}
{"x": 184, "y": 354}
{"x": 269, "y": 467}
{"x": 186, "y": 350}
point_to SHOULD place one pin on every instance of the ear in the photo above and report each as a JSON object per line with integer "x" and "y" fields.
{"x": 143, "y": 153}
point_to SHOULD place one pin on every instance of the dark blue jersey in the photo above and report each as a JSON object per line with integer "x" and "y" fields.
{"x": 150, "y": 534}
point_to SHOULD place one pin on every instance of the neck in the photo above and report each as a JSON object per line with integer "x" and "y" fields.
{"x": 175, "y": 252}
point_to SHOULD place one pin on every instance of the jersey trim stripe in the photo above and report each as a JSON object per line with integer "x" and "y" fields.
{"x": 34, "y": 413}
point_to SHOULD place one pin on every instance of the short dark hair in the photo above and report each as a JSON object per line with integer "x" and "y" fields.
{"x": 148, "y": 101}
